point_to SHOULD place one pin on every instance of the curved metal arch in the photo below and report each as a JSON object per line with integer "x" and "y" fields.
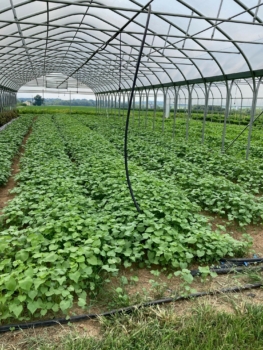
{"x": 104, "y": 31}
{"x": 154, "y": 62}
{"x": 17, "y": 70}
{"x": 196, "y": 41}
{"x": 111, "y": 52}
{"x": 171, "y": 90}
{"x": 138, "y": 50}
{"x": 226, "y": 35}
{"x": 196, "y": 91}
{"x": 238, "y": 87}
{"x": 201, "y": 88}
{"x": 81, "y": 31}
{"x": 149, "y": 30}
{"x": 220, "y": 91}
{"x": 248, "y": 10}
{"x": 182, "y": 90}
{"x": 171, "y": 44}
{"x": 44, "y": 31}
{"x": 109, "y": 81}
{"x": 170, "y": 23}
{"x": 248, "y": 83}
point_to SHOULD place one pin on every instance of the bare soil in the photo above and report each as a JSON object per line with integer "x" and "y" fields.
{"x": 5, "y": 194}
{"x": 148, "y": 286}
{"x": 232, "y": 228}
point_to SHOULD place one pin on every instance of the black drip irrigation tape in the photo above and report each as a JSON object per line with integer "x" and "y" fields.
{"x": 223, "y": 269}
{"x": 125, "y": 310}
{"x": 234, "y": 265}
{"x": 226, "y": 270}
{"x": 129, "y": 112}
{"x": 244, "y": 260}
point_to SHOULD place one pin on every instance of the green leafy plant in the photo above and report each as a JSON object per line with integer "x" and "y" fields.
{"x": 10, "y": 140}
{"x": 72, "y": 222}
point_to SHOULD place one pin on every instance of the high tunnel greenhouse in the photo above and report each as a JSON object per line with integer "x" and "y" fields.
{"x": 177, "y": 115}
{"x": 196, "y": 52}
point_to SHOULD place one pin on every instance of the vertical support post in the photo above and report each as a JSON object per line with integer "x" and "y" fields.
{"x": 119, "y": 105}
{"x": 3, "y": 99}
{"x": 147, "y": 107}
{"x": 228, "y": 97}
{"x": 176, "y": 94}
{"x": 70, "y": 101}
{"x": 115, "y": 106}
{"x": 164, "y": 107}
{"x": 133, "y": 108}
{"x": 123, "y": 107}
{"x": 241, "y": 106}
{"x": 207, "y": 90}
{"x": 198, "y": 104}
{"x": 167, "y": 105}
{"x": 190, "y": 91}
{"x": 107, "y": 105}
{"x": 212, "y": 113}
{"x": 154, "y": 107}
{"x": 230, "y": 108}
{"x": 221, "y": 110}
{"x": 252, "y": 114}
{"x": 140, "y": 107}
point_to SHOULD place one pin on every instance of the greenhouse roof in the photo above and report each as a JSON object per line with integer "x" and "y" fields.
{"x": 187, "y": 41}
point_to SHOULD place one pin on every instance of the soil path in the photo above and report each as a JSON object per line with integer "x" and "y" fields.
{"x": 5, "y": 194}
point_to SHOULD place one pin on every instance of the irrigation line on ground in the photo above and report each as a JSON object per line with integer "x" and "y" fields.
{"x": 125, "y": 310}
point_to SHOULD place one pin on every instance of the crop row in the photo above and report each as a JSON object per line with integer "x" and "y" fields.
{"x": 72, "y": 220}
{"x": 213, "y": 137}
{"x": 170, "y": 228}
{"x": 51, "y": 234}
{"x": 213, "y": 193}
{"x": 248, "y": 173}
{"x": 10, "y": 140}
{"x": 169, "y": 128}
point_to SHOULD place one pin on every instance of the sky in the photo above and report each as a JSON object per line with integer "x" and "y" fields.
{"x": 60, "y": 95}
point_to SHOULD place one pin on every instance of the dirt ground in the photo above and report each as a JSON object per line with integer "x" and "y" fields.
{"x": 139, "y": 285}
{"x": 5, "y": 194}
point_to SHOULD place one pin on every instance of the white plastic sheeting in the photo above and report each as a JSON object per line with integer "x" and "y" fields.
{"x": 187, "y": 40}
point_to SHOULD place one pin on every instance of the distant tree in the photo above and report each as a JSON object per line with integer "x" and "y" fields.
{"x": 38, "y": 100}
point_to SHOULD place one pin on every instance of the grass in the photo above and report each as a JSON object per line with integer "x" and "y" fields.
{"x": 225, "y": 321}
{"x": 162, "y": 329}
